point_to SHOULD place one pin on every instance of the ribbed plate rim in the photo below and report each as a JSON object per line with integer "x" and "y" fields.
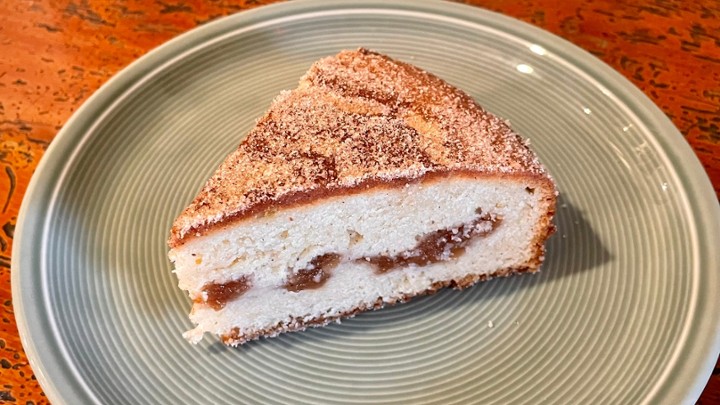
{"x": 60, "y": 388}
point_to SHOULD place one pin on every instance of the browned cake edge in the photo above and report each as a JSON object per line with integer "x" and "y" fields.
{"x": 234, "y": 338}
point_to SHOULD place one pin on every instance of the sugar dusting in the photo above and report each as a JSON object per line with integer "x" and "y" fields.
{"x": 355, "y": 117}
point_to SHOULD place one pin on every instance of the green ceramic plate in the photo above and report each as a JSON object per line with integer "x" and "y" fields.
{"x": 625, "y": 310}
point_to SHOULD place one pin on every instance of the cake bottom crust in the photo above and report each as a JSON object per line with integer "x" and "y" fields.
{"x": 235, "y": 338}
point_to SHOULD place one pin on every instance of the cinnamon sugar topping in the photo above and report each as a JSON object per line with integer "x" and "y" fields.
{"x": 357, "y": 117}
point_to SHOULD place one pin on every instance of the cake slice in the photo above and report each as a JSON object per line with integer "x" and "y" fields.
{"x": 370, "y": 183}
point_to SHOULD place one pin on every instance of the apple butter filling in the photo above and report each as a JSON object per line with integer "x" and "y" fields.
{"x": 216, "y": 295}
{"x": 443, "y": 244}
{"x": 315, "y": 274}
{"x": 440, "y": 245}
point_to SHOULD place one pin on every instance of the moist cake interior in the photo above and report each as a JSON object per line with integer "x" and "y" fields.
{"x": 366, "y": 249}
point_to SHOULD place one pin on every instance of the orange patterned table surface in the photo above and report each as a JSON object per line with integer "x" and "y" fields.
{"x": 55, "y": 53}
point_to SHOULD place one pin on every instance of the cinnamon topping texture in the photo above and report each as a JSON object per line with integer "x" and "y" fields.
{"x": 357, "y": 119}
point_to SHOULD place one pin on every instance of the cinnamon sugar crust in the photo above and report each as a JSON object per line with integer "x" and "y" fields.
{"x": 356, "y": 119}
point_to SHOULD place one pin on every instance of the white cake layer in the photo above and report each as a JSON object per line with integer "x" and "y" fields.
{"x": 352, "y": 285}
{"x": 383, "y": 221}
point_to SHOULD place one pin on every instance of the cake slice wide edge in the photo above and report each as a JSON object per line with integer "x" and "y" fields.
{"x": 543, "y": 229}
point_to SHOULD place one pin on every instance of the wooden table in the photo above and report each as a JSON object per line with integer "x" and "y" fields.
{"x": 55, "y": 53}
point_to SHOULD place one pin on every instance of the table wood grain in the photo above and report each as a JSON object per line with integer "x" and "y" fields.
{"x": 56, "y": 53}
